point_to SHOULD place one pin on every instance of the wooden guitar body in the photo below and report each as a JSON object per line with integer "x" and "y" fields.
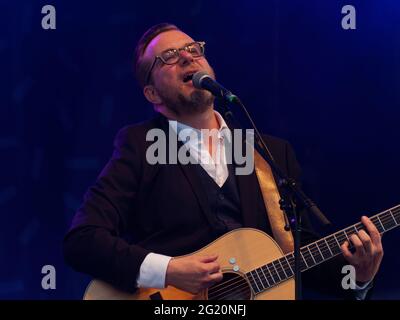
{"x": 239, "y": 252}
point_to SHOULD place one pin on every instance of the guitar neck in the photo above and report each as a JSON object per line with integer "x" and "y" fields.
{"x": 315, "y": 253}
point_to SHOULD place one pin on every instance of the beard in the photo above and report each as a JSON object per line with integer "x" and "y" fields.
{"x": 197, "y": 102}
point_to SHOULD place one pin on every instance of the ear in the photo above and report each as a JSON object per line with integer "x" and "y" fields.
{"x": 151, "y": 94}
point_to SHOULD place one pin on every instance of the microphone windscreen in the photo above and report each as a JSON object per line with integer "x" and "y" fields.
{"x": 197, "y": 79}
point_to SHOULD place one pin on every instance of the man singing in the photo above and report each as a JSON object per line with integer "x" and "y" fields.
{"x": 139, "y": 218}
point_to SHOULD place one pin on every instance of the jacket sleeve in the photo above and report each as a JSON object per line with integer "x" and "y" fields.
{"x": 324, "y": 279}
{"x": 94, "y": 244}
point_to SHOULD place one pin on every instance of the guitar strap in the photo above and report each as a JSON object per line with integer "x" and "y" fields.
{"x": 271, "y": 199}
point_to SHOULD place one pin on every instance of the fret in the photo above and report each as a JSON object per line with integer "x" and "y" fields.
{"x": 397, "y": 221}
{"x": 347, "y": 237}
{"x": 353, "y": 233}
{"x": 291, "y": 260}
{"x": 260, "y": 278}
{"x": 323, "y": 246}
{"x": 334, "y": 246}
{"x": 255, "y": 282}
{"x": 306, "y": 255}
{"x": 272, "y": 275}
{"x": 265, "y": 277}
{"x": 287, "y": 261}
{"x": 252, "y": 281}
{"x": 383, "y": 228}
{"x": 391, "y": 213}
{"x": 268, "y": 276}
{"x": 302, "y": 263}
{"x": 301, "y": 253}
{"x": 341, "y": 236}
{"x": 388, "y": 222}
{"x": 348, "y": 234}
{"x": 281, "y": 273}
{"x": 334, "y": 236}
{"x": 280, "y": 279}
{"x": 317, "y": 253}
{"x": 323, "y": 258}
{"x": 315, "y": 262}
{"x": 327, "y": 244}
{"x": 286, "y": 276}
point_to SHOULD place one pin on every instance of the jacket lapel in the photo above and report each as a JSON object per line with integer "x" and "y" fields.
{"x": 190, "y": 172}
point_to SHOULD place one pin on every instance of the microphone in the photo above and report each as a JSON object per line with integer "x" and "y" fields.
{"x": 201, "y": 80}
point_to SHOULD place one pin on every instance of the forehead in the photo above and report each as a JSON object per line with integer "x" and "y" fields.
{"x": 167, "y": 40}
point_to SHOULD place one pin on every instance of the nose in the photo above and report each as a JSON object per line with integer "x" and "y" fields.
{"x": 185, "y": 58}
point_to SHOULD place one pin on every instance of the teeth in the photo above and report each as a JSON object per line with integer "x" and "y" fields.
{"x": 188, "y": 77}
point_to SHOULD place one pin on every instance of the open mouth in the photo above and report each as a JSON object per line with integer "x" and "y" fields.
{"x": 188, "y": 77}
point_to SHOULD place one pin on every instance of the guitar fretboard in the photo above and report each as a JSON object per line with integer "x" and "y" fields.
{"x": 279, "y": 270}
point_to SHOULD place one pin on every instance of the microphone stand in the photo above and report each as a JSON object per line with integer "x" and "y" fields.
{"x": 291, "y": 194}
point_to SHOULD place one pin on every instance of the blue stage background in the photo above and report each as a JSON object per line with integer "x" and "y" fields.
{"x": 333, "y": 93}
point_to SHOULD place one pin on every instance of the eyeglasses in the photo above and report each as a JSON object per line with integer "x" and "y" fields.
{"x": 172, "y": 56}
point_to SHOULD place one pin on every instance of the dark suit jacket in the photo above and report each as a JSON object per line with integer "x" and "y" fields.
{"x": 135, "y": 208}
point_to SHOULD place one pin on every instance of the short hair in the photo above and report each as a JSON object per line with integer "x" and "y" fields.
{"x": 141, "y": 66}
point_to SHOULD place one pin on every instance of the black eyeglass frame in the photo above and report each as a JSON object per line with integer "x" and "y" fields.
{"x": 177, "y": 53}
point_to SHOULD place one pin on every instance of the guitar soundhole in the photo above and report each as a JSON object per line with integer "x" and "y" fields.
{"x": 232, "y": 287}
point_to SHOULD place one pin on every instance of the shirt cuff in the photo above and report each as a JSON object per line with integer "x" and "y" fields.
{"x": 153, "y": 271}
{"x": 361, "y": 291}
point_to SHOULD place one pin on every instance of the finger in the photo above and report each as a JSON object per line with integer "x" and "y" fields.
{"x": 208, "y": 258}
{"x": 372, "y": 230}
{"x": 216, "y": 277}
{"x": 213, "y": 267}
{"x": 211, "y": 280}
{"x": 346, "y": 252}
{"x": 355, "y": 240}
{"x": 366, "y": 241}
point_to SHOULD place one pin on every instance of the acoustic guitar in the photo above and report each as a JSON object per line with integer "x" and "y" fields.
{"x": 253, "y": 265}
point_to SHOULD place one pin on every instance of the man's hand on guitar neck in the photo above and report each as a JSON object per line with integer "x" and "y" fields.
{"x": 193, "y": 273}
{"x": 368, "y": 251}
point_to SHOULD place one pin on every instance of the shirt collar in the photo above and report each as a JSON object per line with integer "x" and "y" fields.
{"x": 179, "y": 126}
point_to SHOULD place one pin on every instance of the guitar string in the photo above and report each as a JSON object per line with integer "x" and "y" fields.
{"x": 292, "y": 258}
{"x": 237, "y": 290}
{"x": 218, "y": 292}
{"x": 341, "y": 235}
{"x": 241, "y": 279}
{"x": 259, "y": 283}
{"x": 385, "y": 219}
{"x": 307, "y": 255}
{"x": 227, "y": 291}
